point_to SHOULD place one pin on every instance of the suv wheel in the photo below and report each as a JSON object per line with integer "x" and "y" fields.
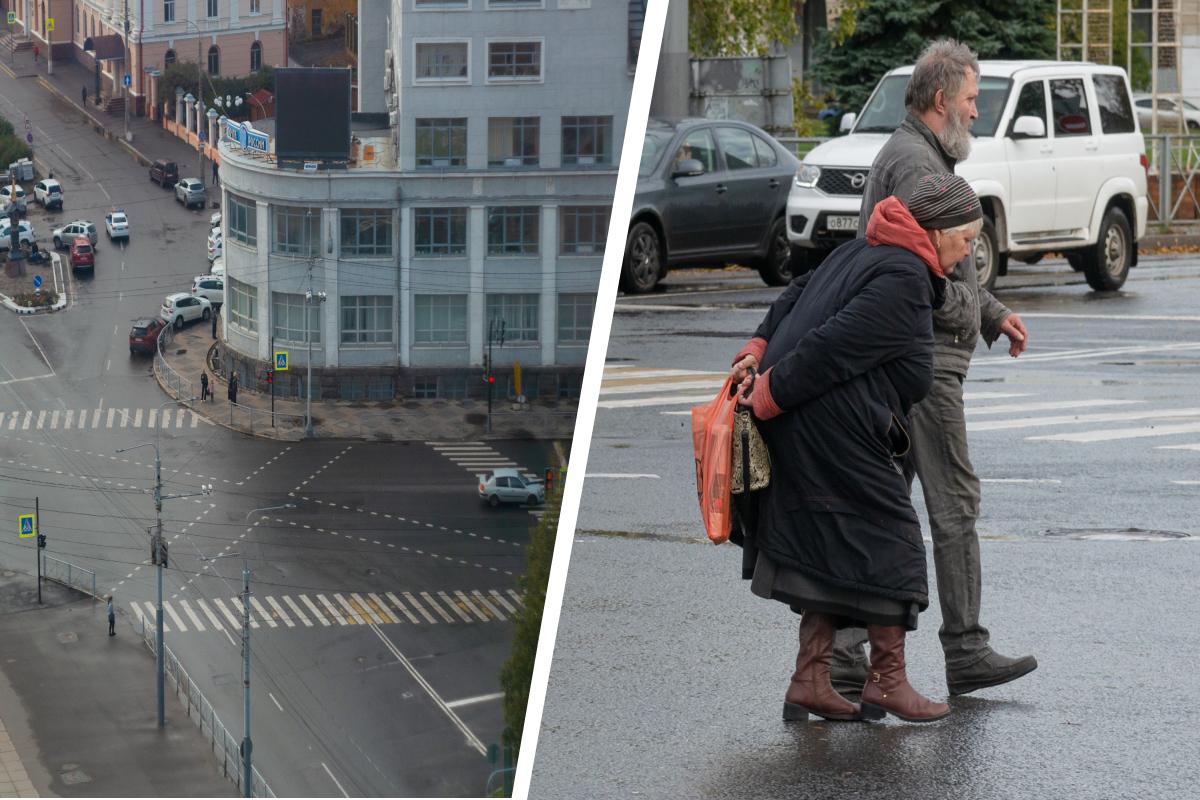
{"x": 987, "y": 255}
{"x": 643, "y": 259}
{"x": 179, "y": 322}
{"x": 207, "y": 313}
{"x": 493, "y": 500}
{"x": 58, "y": 243}
{"x": 1106, "y": 264}
{"x": 776, "y": 266}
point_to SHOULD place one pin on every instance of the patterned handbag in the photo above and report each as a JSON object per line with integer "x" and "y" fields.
{"x": 751, "y": 462}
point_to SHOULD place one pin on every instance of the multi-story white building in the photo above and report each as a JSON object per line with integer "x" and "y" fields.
{"x": 479, "y": 190}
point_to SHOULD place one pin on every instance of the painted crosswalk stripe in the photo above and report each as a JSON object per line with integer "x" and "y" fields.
{"x": 300, "y": 615}
{"x": 491, "y": 609}
{"x": 1082, "y": 419}
{"x": 28, "y": 420}
{"x": 660, "y": 400}
{"x": 137, "y": 418}
{"x": 41, "y": 419}
{"x": 124, "y": 417}
{"x": 517, "y": 597}
{"x": 112, "y": 412}
{"x": 195, "y": 419}
{"x": 428, "y": 598}
{"x": 151, "y": 418}
{"x": 54, "y": 419}
{"x": 455, "y": 607}
{"x": 333, "y": 612}
{"x": 179, "y": 417}
{"x": 191, "y": 615}
{"x": 234, "y": 621}
{"x": 178, "y": 620}
{"x": 641, "y": 388}
{"x": 415, "y": 603}
{"x": 381, "y": 607}
{"x": 365, "y": 610}
{"x": 282, "y": 614}
{"x": 499, "y": 598}
{"x": 317, "y": 615}
{"x": 465, "y": 600}
{"x": 212, "y": 618}
{"x": 1010, "y": 408}
{"x": 152, "y": 616}
{"x": 398, "y": 604}
{"x": 351, "y": 612}
{"x": 1119, "y": 433}
{"x": 137, "y": 612}
{"x": 237, "y": 603}
{"x": 262, "y": 612}
{"x": 1193, "y": 446}
{"x": 96, "y": 417}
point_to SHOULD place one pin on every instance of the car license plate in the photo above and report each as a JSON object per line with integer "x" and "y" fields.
{"x": 841, "y": 223}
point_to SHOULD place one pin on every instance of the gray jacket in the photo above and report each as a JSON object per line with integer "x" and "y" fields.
{"x": 911, "y": 153}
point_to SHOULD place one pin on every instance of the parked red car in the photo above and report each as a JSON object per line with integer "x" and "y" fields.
{"x": 143, "y": 336}
{"x": 83, "y": 255}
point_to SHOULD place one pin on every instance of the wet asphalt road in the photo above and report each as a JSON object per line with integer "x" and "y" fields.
{"x": 668, "y": 674}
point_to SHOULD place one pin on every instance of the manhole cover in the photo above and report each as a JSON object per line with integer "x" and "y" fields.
{"x": 1117, "y": 534}
{"x": 75, "y": 776}
{"x": 70, "y": 636}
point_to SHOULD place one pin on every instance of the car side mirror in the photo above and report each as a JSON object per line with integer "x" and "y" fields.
{"x": 848, "y": 120}
{"x": 1028, "y": 128}
{"x": 688, "y": 168}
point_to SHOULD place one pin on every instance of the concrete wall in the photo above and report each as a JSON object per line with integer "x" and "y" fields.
{"x": 373, "y": 28}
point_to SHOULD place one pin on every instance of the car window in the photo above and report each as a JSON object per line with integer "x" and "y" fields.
{"x": 766, "y": 153}
{"x": 698, "y": 145}
{"x": 1115, "y": 114}
{"x": 1032, "y": 102}
{"x": 1071, "y": 116}
{"x": 738, "y": 147}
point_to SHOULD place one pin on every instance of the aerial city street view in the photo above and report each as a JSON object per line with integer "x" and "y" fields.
{"x": 297, "y": 303}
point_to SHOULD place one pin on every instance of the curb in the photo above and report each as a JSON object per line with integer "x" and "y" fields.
{"x": 58, "y": 305}
{"x": 138, "y": 156}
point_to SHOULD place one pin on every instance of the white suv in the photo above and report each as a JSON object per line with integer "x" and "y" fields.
{"x": 182, "y": 307}
{"x": 1057, "y": 160}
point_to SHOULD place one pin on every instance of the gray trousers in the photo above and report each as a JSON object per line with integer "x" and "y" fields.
{"x": 938, "y": 429}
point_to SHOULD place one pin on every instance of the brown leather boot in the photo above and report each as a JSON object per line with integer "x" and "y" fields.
{"x": 887, "y": 688}
{"x": 810, "y": 691}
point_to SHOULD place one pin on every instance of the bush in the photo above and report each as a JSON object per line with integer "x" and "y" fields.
{"x": 36, "y": 299}
{"x": 12, "y": 146}
{"x": 183, "y": 74}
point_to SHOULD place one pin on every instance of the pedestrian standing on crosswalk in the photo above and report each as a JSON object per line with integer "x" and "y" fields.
{"x": 112, "y": 618}
{"x": 205, "y": 392}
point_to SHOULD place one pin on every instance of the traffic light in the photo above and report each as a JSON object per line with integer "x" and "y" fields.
{"x": 270, "y": 377}
{"x": 41, "y": 540}
{"x": 549, "y": 479}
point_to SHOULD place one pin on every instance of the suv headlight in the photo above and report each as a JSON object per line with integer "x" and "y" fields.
{"x": 807, "y": 176}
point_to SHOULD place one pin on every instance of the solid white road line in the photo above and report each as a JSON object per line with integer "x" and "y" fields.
{"x": 1120, "y": 433}
{"x": 317, "y": 615}
{"x": 1194, "y": 446}
{"x": 467, "y": 701}
{"x": 1009, "y": 408}
{"x": 420, "y": 608}
{"x": 335, "y": 780}
{"x": 1081, "y": 419}
{"x": 472, "y": 739}
{"x": 273, "y": 700}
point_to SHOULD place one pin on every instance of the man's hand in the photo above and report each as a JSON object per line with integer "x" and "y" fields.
{"x": 1018, "y": 337}
{"x": 742, "y": 368}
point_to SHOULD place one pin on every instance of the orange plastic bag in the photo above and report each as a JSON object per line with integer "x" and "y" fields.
{"x": 712, "y": 440}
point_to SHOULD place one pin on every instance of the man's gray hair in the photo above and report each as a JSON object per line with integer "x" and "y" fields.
{"x": 944, "y": 66}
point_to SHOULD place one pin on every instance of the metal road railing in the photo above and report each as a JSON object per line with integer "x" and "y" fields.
{"x": 252, "y": 419}
{"x": 181, "y": 386}
{"x": 68, "y": 574}
{"x": 199, "y": 710}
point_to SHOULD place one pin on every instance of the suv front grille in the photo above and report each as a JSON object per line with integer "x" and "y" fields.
{"x": 836, "y": 180}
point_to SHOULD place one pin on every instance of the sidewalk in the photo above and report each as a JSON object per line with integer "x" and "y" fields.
{"x": 190, "y": 353}
{"x": 78, "y": 708}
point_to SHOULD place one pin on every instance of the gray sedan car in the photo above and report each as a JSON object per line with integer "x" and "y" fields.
{"x": 710, "y": 193}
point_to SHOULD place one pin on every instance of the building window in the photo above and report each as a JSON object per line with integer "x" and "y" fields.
{"x": 242, "y": 216}
{"x": 168, "y": 10}
{"x": 442, "y": 3}
{"x": 575, "y": 317}
{"x": 168, "y": 58}
{"x": 243, "y": 305}
{"x": 441, "y": 142}
{"x": 514, "y": 61}
{"x": 78, "y": 27}
{"x": 515, "y": 3}
{"x": 518, "y": 312}
{"x": 513, "y": 141}
{"x": 440, "y": 319}
{"x": 583, "y": 230}
{"x": 287, "y": 315}
{"x": 587, "y": 141}
{"x": 442, "y": 61}
{"x": 366, "y": 232}
{"x": 212, "y": 8}
{"x": 637, "y": 22}
{"x": 513, "y": 230}
{"x": 367, "y": 319}
{"x": 214, "y": 61}
{"x": 296, "y": 231}
{"x": 440, "y": 232}
{"x": 255, "y": 6}
{"x": 256, "y": 57}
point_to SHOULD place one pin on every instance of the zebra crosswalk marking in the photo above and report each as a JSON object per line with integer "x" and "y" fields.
{"x": 234, "y": 622}
{"x": 1081, "y": 419}
{"x": 1120, "y": 433}
{"x": 420, "y": 608}
{"x": 499, "y": 598}
{"x": 428, "y": 598}
{"x": 488, "y": 607}
{"x": 112, "y": 412}
{"x": 137, "y": 419}
{"x": 333, "y": 612}
{"x": 317, "y": 615}
{"x": 396, "y": 603}
{"x": 262, "y": 612}
{"x": 28, "y": 419}
{"x": 351, "y": 614}
{"x": 283, "y": 616}
{"x": 237, "y": 603}
{"x": 300, "y": 615}
{"x": 152, "y": 616}
{"x": 216, "y": 623}
{"x": 178, "y": 620}
{"x": 54, "y": 419}
{"x": 516, "y": 597}
{"x": 196, "y": 623}
{"x": 466, "y": 601}
{"x": 454, "y": 607}
{"x": 364, "y": 609}
{"x": 137, "y": 612}
{"x": 380, "y": 606}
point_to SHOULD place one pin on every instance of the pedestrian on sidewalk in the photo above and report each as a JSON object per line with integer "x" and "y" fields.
{"x": 216, "y": 314}
{"x": 216, "y": 177}
{"x": 36, "y": 50}
{"x": 204, "y": 390}
{"x": 233, "y": 387}
{"x": 112, "y": 618}
{"x": 83, "y": 94}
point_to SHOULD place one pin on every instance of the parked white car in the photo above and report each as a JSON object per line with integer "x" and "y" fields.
{"x": 216, "y": 245}
{"x": 12, "y": 194}
{"x": 210, "y": 287}
{"x": 66, "y": 234}
{"x": 1058, "y": 162}
{"x": 182, "y": 307}
{"x": 49, "y": 193}
{"x": 510, "y": 486}
{"x": 218, "y": 267}
{"x": 26, "y": 235}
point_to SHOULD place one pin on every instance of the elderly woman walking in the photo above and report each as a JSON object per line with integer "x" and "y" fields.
{"x": 842, "y": 356}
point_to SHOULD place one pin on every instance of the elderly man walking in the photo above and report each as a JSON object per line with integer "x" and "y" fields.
{"x": 934, "y": 136}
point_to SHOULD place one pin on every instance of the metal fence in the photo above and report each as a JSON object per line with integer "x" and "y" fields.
{"x": 199, "y": 710}
{"x": 256, "y": 419}
{"x": 182, "y": 387}
{"x": 68, "y": 574}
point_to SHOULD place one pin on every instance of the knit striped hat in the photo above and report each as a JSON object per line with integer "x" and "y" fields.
{"x": 944, "y": 201}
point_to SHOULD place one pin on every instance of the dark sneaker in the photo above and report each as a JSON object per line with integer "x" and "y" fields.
{"x": 848, "y": 679}
{"x": 991, "y": 670}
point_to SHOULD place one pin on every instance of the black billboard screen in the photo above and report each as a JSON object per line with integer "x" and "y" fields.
{"x": 312, "y": 113}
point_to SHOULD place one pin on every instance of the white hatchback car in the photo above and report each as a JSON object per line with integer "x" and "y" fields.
{"x": 1057, "y": 160}
{"x": 117, "y": 225}
{"x": 510, "y": 486}
{"x": 182, "y": 307}
{"x": 26, "y": 235}
{"x": 11, "y": 194}
{"x": 210, "y": 287}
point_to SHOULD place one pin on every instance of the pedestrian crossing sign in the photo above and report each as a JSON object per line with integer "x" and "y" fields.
{"x": 28, "y": 528}
{"x": 49, "y": 24}
{"x": 281, "y": 361}
{"x": 12, "y": 17}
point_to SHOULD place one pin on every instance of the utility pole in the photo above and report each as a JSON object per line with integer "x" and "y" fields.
{"x": 37, "y": 528}
{"x": 246, "y": 743}
{"x": 125, "y": 89}
{"x": 49, "y": 45}
{"x": 495, "y": 332}
{"x": 310, "y": 297}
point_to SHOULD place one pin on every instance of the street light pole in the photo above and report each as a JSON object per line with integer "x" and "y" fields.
{"x": 310, "y": 298}
{"x": 128, "y": 71}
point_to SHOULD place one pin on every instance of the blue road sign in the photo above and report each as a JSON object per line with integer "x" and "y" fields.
{"x": 202, "y": 136}
{"x": 127, "y": 80}
{"x": 281, "y": 361}
{"x": 28, "y": 529}
{"x": 29, "y": 138}
{"x": 37, "y": 281}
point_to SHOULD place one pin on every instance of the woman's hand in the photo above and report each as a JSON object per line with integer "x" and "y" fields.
{"x": 741, "y": 369}
{"x": 744, "y": 398}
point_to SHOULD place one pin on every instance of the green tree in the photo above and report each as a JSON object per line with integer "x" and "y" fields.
{"x": 890, "y": 33}
{"x": 517, "y": 671}
{"x": 183, "y": 74}
{"x": 740, "y": 27}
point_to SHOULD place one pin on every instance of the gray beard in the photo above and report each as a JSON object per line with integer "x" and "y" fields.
{"x": 955, "y": 137}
